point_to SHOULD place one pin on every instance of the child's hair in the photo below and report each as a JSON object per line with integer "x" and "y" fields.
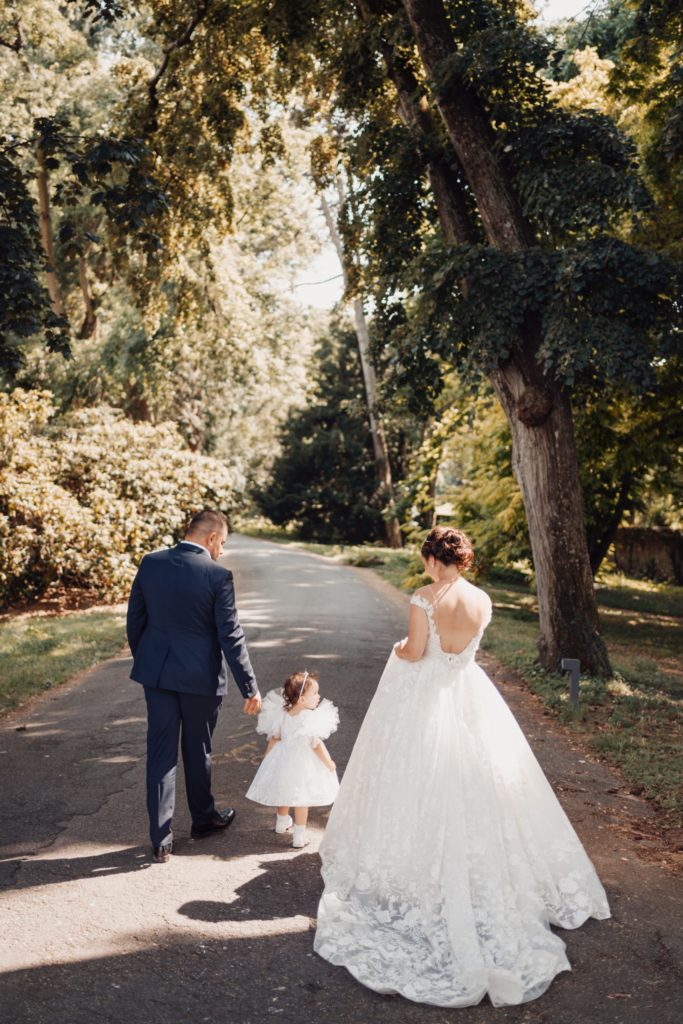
{"x": 296, "y": 686}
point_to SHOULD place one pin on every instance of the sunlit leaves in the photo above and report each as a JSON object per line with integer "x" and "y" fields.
{"x": 84, "y": 497}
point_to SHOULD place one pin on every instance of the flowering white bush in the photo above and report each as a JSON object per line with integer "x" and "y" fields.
{"x": 83, "y": 497}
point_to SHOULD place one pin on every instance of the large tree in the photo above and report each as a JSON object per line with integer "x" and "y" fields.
{"x": 322, "y": 481}
{"x": 525, "y": 280}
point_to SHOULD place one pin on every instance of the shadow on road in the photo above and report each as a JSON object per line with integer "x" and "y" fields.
{"x": 286, "y": 887}
{"x": 30, "y": 871}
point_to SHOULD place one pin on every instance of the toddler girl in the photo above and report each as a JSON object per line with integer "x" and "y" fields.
{"x": 297, "y": 770}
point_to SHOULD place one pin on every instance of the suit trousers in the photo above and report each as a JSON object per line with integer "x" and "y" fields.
{"x": 190, "y": 719}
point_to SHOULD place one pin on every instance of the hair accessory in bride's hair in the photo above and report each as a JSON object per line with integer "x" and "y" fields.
{"x": 304, "y": 683}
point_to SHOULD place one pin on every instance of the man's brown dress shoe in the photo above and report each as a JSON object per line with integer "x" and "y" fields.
{"x": 162, "y": 853}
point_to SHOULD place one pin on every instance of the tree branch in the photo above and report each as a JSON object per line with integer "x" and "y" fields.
{"x": 183, "y": 39}
{"x": 18, "y": 41}
{"x": 17, "y": 45}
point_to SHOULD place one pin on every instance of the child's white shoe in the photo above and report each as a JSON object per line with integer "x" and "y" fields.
{"x": 283, "y": 823}
{"x": 299, "y": 837}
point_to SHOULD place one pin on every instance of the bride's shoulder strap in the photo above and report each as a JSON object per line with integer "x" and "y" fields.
{"x": 421, "y": 602}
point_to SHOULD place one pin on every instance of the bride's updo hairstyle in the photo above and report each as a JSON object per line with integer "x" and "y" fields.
{"x": 296, "y": 686}
{"x": 449, "y": 546}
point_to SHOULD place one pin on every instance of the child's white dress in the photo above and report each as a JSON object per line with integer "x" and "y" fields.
{"x": 291, "y": 774}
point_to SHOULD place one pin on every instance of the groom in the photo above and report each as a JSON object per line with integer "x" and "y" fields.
{"x": 182, "y": 629}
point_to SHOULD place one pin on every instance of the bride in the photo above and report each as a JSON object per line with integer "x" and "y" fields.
{"x": 447, "y": 855}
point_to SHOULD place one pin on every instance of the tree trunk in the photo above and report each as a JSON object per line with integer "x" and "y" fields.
{"x": 468, "y": 129}
{"x": 538, "y": 409}
{"x": 545, "y": 465}
{"x": 90, "y": 319}
{"x": 46, "y": 234}
{"x": 598, "y": 546}
{"x": 379, "y": 441}
{"x": 415, "y": 113}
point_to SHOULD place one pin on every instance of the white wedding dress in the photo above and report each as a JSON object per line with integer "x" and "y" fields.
{"x": 447, "y": 855}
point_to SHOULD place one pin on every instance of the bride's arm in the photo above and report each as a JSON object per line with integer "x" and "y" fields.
{"x": 413, "y": 646}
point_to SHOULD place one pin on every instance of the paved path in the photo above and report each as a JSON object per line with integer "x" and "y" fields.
{"x": 90, "y": 930}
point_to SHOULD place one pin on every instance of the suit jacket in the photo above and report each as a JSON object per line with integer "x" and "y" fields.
{"x": 183, "y": 627}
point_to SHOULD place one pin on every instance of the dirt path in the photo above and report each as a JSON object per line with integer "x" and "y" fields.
{"x": 91, "y": 930}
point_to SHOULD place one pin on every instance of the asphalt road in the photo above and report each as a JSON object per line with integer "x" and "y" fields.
{"x": 91, "y": 930}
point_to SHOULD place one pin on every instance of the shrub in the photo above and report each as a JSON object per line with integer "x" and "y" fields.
{"x": 83, "y": 497}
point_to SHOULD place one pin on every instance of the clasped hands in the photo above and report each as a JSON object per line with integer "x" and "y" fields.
{"x": 252, "y": 705}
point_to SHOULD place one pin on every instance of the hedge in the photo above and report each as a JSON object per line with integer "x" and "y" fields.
{"x": 84, "y": 496}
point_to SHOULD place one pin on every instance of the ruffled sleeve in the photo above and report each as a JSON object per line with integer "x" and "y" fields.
{"x": 321, "y": 722}
{"x": 269, "y": 721}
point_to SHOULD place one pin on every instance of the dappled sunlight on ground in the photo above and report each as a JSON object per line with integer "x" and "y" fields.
{"x": 276, "y": 642}
{"x": 126, "y": 901}
{"x": 114, "y": 759}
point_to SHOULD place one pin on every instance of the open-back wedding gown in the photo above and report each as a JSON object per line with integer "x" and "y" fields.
{"x": 447, "y": 855}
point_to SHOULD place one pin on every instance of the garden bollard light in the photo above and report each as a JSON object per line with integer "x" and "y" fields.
{"x": 573, "y": 666}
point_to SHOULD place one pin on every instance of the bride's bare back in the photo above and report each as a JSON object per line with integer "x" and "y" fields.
{"x": 460, "y": 612}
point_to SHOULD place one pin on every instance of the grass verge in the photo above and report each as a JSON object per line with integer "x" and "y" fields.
{"x": 38, "y": 652}
{"x": 633, "y": 720}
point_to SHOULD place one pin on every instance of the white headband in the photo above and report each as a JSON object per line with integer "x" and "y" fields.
{"x": 303, "y": 684}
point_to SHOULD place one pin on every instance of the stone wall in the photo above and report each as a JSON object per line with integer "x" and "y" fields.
{"x": 653, "y": 554}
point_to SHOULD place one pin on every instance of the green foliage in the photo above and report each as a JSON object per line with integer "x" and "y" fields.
{"x": 486, "y": 500}
{"x": 643, "y": 42}
{"x": 107, "y": 10}
{"x": 606, "y": 307}
{"x": 628, "y": 457}
{"x": 650, "y": 72}
{"x": 221, "y": 350}
{"x": 82, "y": 498}
{"x": 416, "y": 504}
{"x": 324, "y": 478}
{"x": 576, "y": 173}
{"x": 110, "y": 174}
{"x": 605, "y": 27}
{"x": 195, "y": 323}
{"x": 115, "y": 171}
{"x": 24, "y": 303}
{"x": 193, "y": 286}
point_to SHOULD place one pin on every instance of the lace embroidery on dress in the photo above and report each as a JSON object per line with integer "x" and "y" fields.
{"x": 447, "y": 855}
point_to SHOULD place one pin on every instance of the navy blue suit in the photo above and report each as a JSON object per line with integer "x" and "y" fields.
{"x": 184, "y": 632}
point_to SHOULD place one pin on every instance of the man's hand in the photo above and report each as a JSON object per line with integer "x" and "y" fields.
{"x": 252, "y": 705}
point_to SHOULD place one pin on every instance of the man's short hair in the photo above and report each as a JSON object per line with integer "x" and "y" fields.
{"x": 207, "y": 521}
